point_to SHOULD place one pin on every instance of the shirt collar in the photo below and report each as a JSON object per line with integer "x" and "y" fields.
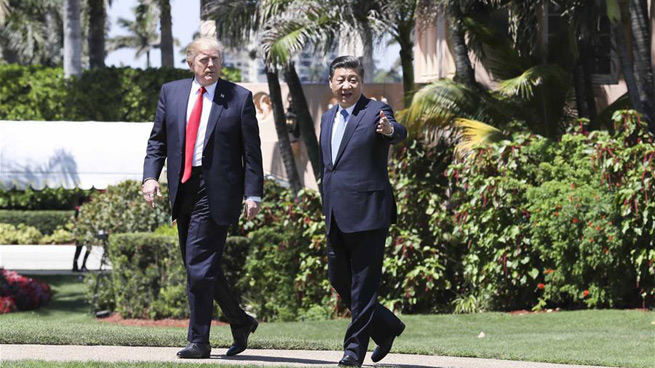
{"x": 195, "y": 86}
{"x": 348, "y": 110}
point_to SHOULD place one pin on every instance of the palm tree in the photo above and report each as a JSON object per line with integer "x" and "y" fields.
{"x": 72, "y": 39}
{"x": 31, "y": 31}
{"x": 97, "y": 32}
{"x": 143, "y": 33}
{"x": 166, "y": 46}
{"x": 641, "y": 41}
{"x": 238, "y": 22}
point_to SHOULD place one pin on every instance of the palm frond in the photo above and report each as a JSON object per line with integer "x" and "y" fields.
{"x": 235, "y": 20}
{"x": 441, "y": 102}
{"x": 523, "y": 85}
{"x": 473, "y": 133}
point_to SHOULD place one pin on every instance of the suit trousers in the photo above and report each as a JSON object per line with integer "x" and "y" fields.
{"x": 355, "y": 270}
{"x": 201, "y": 243}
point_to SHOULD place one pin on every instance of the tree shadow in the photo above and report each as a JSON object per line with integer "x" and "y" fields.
{"x": 60, "y": 170}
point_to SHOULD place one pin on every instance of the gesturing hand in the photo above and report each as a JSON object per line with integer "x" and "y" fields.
{"x": 384, "y": 125}
{"x": 149, "y": 189}
{"x": 251, "y": 209}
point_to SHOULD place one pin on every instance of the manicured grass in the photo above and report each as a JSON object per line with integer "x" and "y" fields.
{"x": 41, "y": 364}
{"x": 595, "y": 337}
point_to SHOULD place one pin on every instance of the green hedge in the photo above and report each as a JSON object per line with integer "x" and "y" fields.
{"x": 106, "y": 94}
{"x": 44, "y": 199}
{"x": 120, "y": 209}
{"x": 148, "y": 278}
{"x": 45, "y": 221}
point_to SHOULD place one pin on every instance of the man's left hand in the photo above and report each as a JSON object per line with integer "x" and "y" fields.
{"x": 251, "y": 209}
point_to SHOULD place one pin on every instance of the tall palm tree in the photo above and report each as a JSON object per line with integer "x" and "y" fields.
{"x": 166, "y": 46}
{"x": 97, "y": 32}
{"x": 641, "y": 58}
{"x": 72, "y": 39}
{"x": 4, "y": 10}
{"x": 143, "y": 32}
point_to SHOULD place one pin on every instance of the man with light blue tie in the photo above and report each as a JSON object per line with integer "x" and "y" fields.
{"x": 359, "y": 207}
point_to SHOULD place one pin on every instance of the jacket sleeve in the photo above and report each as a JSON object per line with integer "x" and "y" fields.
{"x": 156, "y": 149}
{"x": 252, "y": 152}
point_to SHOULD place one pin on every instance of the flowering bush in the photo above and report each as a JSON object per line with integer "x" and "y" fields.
{"x": 568, "y": 223}
{"x": 21, "y": 293}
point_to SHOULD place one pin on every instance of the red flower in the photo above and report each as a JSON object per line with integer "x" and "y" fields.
{"x": 585, "y": 293}
{"x": 575, "y": 220}
{"x": 540, "y": 286}
{"x": 549, "y": 271}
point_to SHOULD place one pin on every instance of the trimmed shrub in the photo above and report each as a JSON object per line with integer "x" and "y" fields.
{"x": 148, "y": 279}
{"x": 44, "y": 199}
{"x": 21, "y": 234}
{"x": 120, "y": 209}
{"x": 45, "y": 221}
{"x": 105, "y": 94}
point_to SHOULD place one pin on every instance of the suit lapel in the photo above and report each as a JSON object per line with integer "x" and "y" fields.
{"x": 216, "y": 110}
{"x": 182, "y": 104}
{"x": 358, "y": 114}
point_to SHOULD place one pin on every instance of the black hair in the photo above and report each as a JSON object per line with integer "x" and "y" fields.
{"x": 347, "y": 61}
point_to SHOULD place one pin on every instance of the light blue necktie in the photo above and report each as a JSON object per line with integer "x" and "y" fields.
{"x": 339, "y": 128}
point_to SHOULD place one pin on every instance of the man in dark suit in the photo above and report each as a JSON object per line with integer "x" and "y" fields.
{"x": 207, "y": 129}
{"x": 359, "y": 207}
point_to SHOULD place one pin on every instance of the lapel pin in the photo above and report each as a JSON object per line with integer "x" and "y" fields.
{"x": 222, "y": 95}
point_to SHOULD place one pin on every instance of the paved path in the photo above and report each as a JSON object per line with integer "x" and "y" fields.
{"x": 263, "y": 357}
{"x": 45, "y": 259}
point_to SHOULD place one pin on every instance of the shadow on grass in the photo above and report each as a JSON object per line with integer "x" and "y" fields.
{"x": 68, "y": 294}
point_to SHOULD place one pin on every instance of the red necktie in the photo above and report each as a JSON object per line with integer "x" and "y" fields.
{"x": 191, "y": 134}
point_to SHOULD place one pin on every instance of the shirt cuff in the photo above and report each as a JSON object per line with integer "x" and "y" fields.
{"x": 254, "y": 198}
{"x": 390, "y": 134}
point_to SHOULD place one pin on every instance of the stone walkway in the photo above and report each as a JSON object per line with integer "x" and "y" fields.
{"x": 263, "y": 357}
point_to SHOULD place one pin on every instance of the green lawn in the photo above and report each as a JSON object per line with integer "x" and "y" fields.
{"x": 595, "y": 337}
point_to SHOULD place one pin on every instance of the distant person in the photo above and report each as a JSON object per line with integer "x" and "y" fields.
{"x": 206, "y": 127}
{"x": 359, "y": 206}
{"x": 78, "y": 247}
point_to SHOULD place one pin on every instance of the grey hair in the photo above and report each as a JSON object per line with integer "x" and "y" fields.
{"x": 203, "y": 43}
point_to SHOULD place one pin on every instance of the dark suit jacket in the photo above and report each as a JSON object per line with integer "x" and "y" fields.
{"x": 232, "y": 158}
{"x": 356, "y": 188}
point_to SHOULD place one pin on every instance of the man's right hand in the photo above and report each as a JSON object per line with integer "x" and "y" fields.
{"x": 149, "y": 189}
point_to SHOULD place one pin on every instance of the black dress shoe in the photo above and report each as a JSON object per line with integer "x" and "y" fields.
{"x": 195, "y": 350}
{"x": 348, "y": 361}
{"x": 383, "y": 349}
{"x": 240, "y": 336}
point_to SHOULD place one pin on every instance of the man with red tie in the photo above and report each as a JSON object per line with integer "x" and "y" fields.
{"x": 207, "y": 129}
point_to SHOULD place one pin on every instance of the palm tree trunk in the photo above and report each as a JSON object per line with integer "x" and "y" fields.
{"x": 579, "y": 87}
{"x": 72, "y": 39}
{"x": 464, "y": 69}
{"x": 404, "y": 39}
{"x": 305, "y": 121}
{"x": 641, "y": 58}
{"x": 166, "y": 45}
{"x": 96, "y": 37}
{"x": 626, "y": 67}
{"x": 652, "y": 39}
{"x": 147, "y": 59}
{"x": 281, "y": 128}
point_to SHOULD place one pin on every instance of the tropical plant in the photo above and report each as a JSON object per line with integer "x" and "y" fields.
{"x": 143, "y": 32}
{"x": 30, "y": 31}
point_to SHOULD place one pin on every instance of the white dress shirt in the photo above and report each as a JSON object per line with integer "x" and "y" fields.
{"x": 207, "y": 100}
{"x": 339, "y": 116}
